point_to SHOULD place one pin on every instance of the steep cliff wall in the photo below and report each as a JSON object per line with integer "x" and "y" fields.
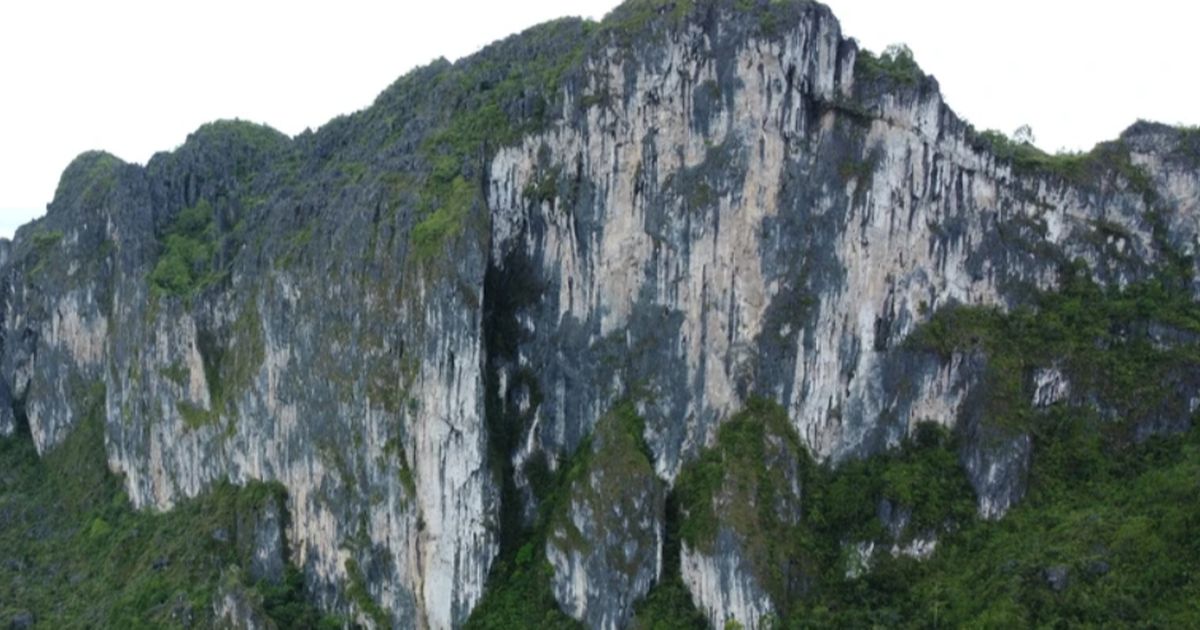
{"x": 688, "y": 205}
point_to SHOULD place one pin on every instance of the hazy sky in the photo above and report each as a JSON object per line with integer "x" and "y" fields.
{"x": 134, "y": 77}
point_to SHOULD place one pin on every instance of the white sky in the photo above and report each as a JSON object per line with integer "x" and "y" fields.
{"x": 136, "y": 76}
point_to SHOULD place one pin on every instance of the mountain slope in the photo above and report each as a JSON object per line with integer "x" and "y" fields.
{"x": 418, "y": 318}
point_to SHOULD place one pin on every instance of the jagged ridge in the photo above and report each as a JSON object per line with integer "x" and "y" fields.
{"x": 409, "y": 315}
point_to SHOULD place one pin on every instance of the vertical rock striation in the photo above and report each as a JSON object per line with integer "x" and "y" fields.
{"x": 606, "y": 547}
{"x": 707, "y": 203}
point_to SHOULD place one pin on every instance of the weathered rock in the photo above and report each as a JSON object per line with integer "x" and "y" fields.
{"x": 606, "y": 549}
{"x": 724, "y": 584}
{"x": 705, "y": 206}
{"x": 739, "y": 563}
{"x": 260, "y": 538}
{"x": 1050, "y": 386}
{"x": 1058, "y": 577}
{"x": 237, "y": 608}
{"x": 22, "y": 620}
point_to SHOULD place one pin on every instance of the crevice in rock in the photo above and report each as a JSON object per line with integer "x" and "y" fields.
{"x": 511, "y": 394}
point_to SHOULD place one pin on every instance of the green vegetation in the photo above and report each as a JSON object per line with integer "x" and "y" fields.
{"x": 702, "y": 186}
{"x": 1118, "y": 522}
{"x": 296, "y": 244}
{"x": 515, "y": 89}
{"x": 1188, "y": 148}
{"x": 486, "y": 89}
{"x": 76, "y": 554}
{"x": 544, "y": 188}
{"x": 854, "y": 169}
{"x": 44, "y": 242}
{"x": 620, "y": 458}
{"x": 445, "y": 223}
{"x": 1108, "y": 513}
{"x": 736, "y": 471}
{"x": 1113, "y": 513}
{"x": 187, "y": 263}
{"x": 230, "y": 364}
{"x": 195, "y": 417}
{"x": 91, "y": 175}
{"x": 248, "y": 145}
{"x": 241, "y": 133}
{"x": 176, "y": 373}
{"x": 357, "y": 592}
{"x": 794, "y": 540}
{"x": 630, "y": 19}
{"x": 519, "y": 593}
{"x": 895, "y": 65}
{"x": 1081, "y": 169}
{"x": 1098, "y": 336}
{"x": 669, "y": 605}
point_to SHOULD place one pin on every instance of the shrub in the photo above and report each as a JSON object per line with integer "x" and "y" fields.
{"x": 896, "y": 64}
{"x": 187, "y": 262}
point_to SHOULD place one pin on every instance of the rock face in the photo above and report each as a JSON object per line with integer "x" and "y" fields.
{"x": 741, "y": 502}
{"x": 723, "y": 584}
{"x": 606, "y": 550}
{"x": 705, "y": 203}
{"x": 236, "y": 608}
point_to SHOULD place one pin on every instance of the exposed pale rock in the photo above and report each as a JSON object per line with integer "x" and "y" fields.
{"x": 712, "y": 212}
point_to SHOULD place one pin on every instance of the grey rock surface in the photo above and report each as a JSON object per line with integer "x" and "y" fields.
{"x": 606, "y": 548}
{"x": 718, "y": 208}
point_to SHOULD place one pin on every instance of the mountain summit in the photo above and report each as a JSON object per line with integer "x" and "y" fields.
{"x": 700, "y": 305}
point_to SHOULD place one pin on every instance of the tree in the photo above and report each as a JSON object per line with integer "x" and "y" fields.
{"x": 1024, "y": 135}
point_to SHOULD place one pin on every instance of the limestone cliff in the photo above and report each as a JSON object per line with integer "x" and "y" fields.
{"x": 687, "y": 205}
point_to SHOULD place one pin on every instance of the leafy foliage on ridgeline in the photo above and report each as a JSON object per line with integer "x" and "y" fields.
{"x": 240, "y": 136}
{"x": 517, "y": 87}
{"x": 642, "y": 21}
{"x": 76, "y": 554}
{"x": 90, "y": 178}
{"x": 1188, "y": 148}
{"x": 197, "y": 245}
{"x": 513, "y": 88}
{"x": 895, "y": 65}
{"x": 1081, "y": 169}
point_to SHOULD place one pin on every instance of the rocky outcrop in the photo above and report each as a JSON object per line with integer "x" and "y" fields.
{"x": 724, "y": 584}
{"x": 236, "y": 607}
{"x": 742, "y": 503}
{"x": 394, "y": 315}
{"x": 606, "y": 548}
